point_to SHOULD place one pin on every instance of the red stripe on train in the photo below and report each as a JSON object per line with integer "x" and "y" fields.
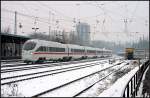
{"x": 49, "y": 53}
{"x": 59, "y": 53}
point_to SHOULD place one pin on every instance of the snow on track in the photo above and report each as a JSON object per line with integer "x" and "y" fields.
{"x": 75, "y": 87}
{"x": 41, "y": 84}
{"x": 116, "y": 90}
{"x": 10, "y": 74}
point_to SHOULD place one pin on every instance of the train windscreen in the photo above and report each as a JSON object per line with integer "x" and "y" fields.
{"x": 29, "y": 46}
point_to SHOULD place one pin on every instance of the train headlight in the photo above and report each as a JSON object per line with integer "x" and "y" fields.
{"x": 31, "y": 53}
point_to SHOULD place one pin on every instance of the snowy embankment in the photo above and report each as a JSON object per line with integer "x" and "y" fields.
{"x": 117, "y": 89}
{"x": 76, "y": 87}
{"x": 53, "y": 67}
{"x": 34, "y": 86}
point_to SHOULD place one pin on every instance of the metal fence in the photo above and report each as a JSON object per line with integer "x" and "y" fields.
{"x": 132, "y": 86}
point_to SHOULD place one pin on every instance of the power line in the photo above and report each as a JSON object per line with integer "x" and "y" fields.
{"x": 29, "y": 16}
{"x": 44, "y": 19}
{"x": 104, "y": 10}
{"x": 44, "y": 5}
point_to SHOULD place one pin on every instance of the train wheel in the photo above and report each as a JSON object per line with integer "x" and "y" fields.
{"x": 41, "y": 60}
{"x": 60, "y": 60}
{"x": 28, "y": 62}
{"x": 64, "y": 58}
{"x": 69, "y": 59}
{"x": 32, "y": 62}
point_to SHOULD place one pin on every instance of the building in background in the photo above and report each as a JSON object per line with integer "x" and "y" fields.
{"x": 83, "y": 33}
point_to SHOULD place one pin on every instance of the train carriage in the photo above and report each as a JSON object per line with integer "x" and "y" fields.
{"x": 90, "y": 52}
{"x": 106, "y": 53}
{"x": 34, "y": 50}
{"x": 76, "y": 51}
{"x": 39, "y": 50}
{"x": 99, "y": 52}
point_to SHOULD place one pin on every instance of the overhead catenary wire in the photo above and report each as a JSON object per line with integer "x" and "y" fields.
{"x": 69, "y": 20}
{"x": 50, "y": 8}
{"x": 30, "y": 16}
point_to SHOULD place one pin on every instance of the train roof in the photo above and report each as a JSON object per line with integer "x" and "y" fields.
{"x": 47, "y": 43}
{"x": 57, "y": 44}
{"x": 75, "y": 46}
{"x": 90, "y": 48}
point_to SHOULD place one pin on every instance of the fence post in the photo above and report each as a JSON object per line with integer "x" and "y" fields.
{"x": 131, "y": 87}
{"x": 128, "y": 90}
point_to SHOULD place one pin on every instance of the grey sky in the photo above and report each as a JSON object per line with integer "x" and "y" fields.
{"x": 110, "y": 15}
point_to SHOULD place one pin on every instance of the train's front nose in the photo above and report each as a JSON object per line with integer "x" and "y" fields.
{"x": 27, "y": 50}
{"x": 26, "y": 55}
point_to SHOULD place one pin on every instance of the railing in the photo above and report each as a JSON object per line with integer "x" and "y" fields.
{"x": 132, "y": 86}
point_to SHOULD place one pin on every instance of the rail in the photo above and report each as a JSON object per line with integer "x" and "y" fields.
{"x": 83, "y": 77}
{"x": 133, "y": 84}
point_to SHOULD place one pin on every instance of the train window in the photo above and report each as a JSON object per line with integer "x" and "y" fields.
{"x": 60, "y": 49}
{"x": 99, "y": 51}
{"x": 29, "y": 46}
{"x": 91, "y": 51}
{"x": 44, "y": 48}
{"x": 72, "y": 50}
{"x": 49, "y": 49}
{"x": 39, "y": 49}
{"x": 53, "y": 49}
{"x": 56, "y": 49}
{"x": 77, "y": 50}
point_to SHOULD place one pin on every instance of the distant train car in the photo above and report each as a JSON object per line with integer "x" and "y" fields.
{"x": 90, "y": 52}
{"x": 133, "y": 53}
{"x": 129, "y": 53}
{"x": 76, "y": 51}
{"x": 107, "y": 53}
{"x": 141, "y": 53}
{"x": 39, "y": 50}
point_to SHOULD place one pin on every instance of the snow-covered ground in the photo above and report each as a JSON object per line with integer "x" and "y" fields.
{"x": 10, "y": 74}
{"x": 48, "y": 71}
{"x": 97, "y": 89}
{"x": 117, "y": 89}
{"x": 34, "y": 86}
{"x": 74, "y": 88}
{"x": 12, "y": 63}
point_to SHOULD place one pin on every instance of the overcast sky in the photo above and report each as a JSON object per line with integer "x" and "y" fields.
{"x": 107, "y": 17}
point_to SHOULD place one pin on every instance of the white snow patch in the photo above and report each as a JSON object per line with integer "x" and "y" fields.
{"x": 34, "y": 86}
{"x": 117, "y": 89}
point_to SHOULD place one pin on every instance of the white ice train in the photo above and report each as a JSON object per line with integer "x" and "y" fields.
{"x": 35, "y": 50}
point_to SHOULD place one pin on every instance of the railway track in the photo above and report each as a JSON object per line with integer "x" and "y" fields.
{"x": 102, "y": 78}
{"x": 24, "y": 64}
{"x": 61, "y": 71}
{"x": 13, "y": 60}
{"x": 42, "y": 94}
{"x": 12, "y": 79}
{"x": 36, "y": 66}
{"x": 14, "y": 64}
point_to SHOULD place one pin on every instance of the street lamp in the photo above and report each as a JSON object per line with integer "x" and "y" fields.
{"x": 35, "y": 29}
{"x": 20, "y": 26}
